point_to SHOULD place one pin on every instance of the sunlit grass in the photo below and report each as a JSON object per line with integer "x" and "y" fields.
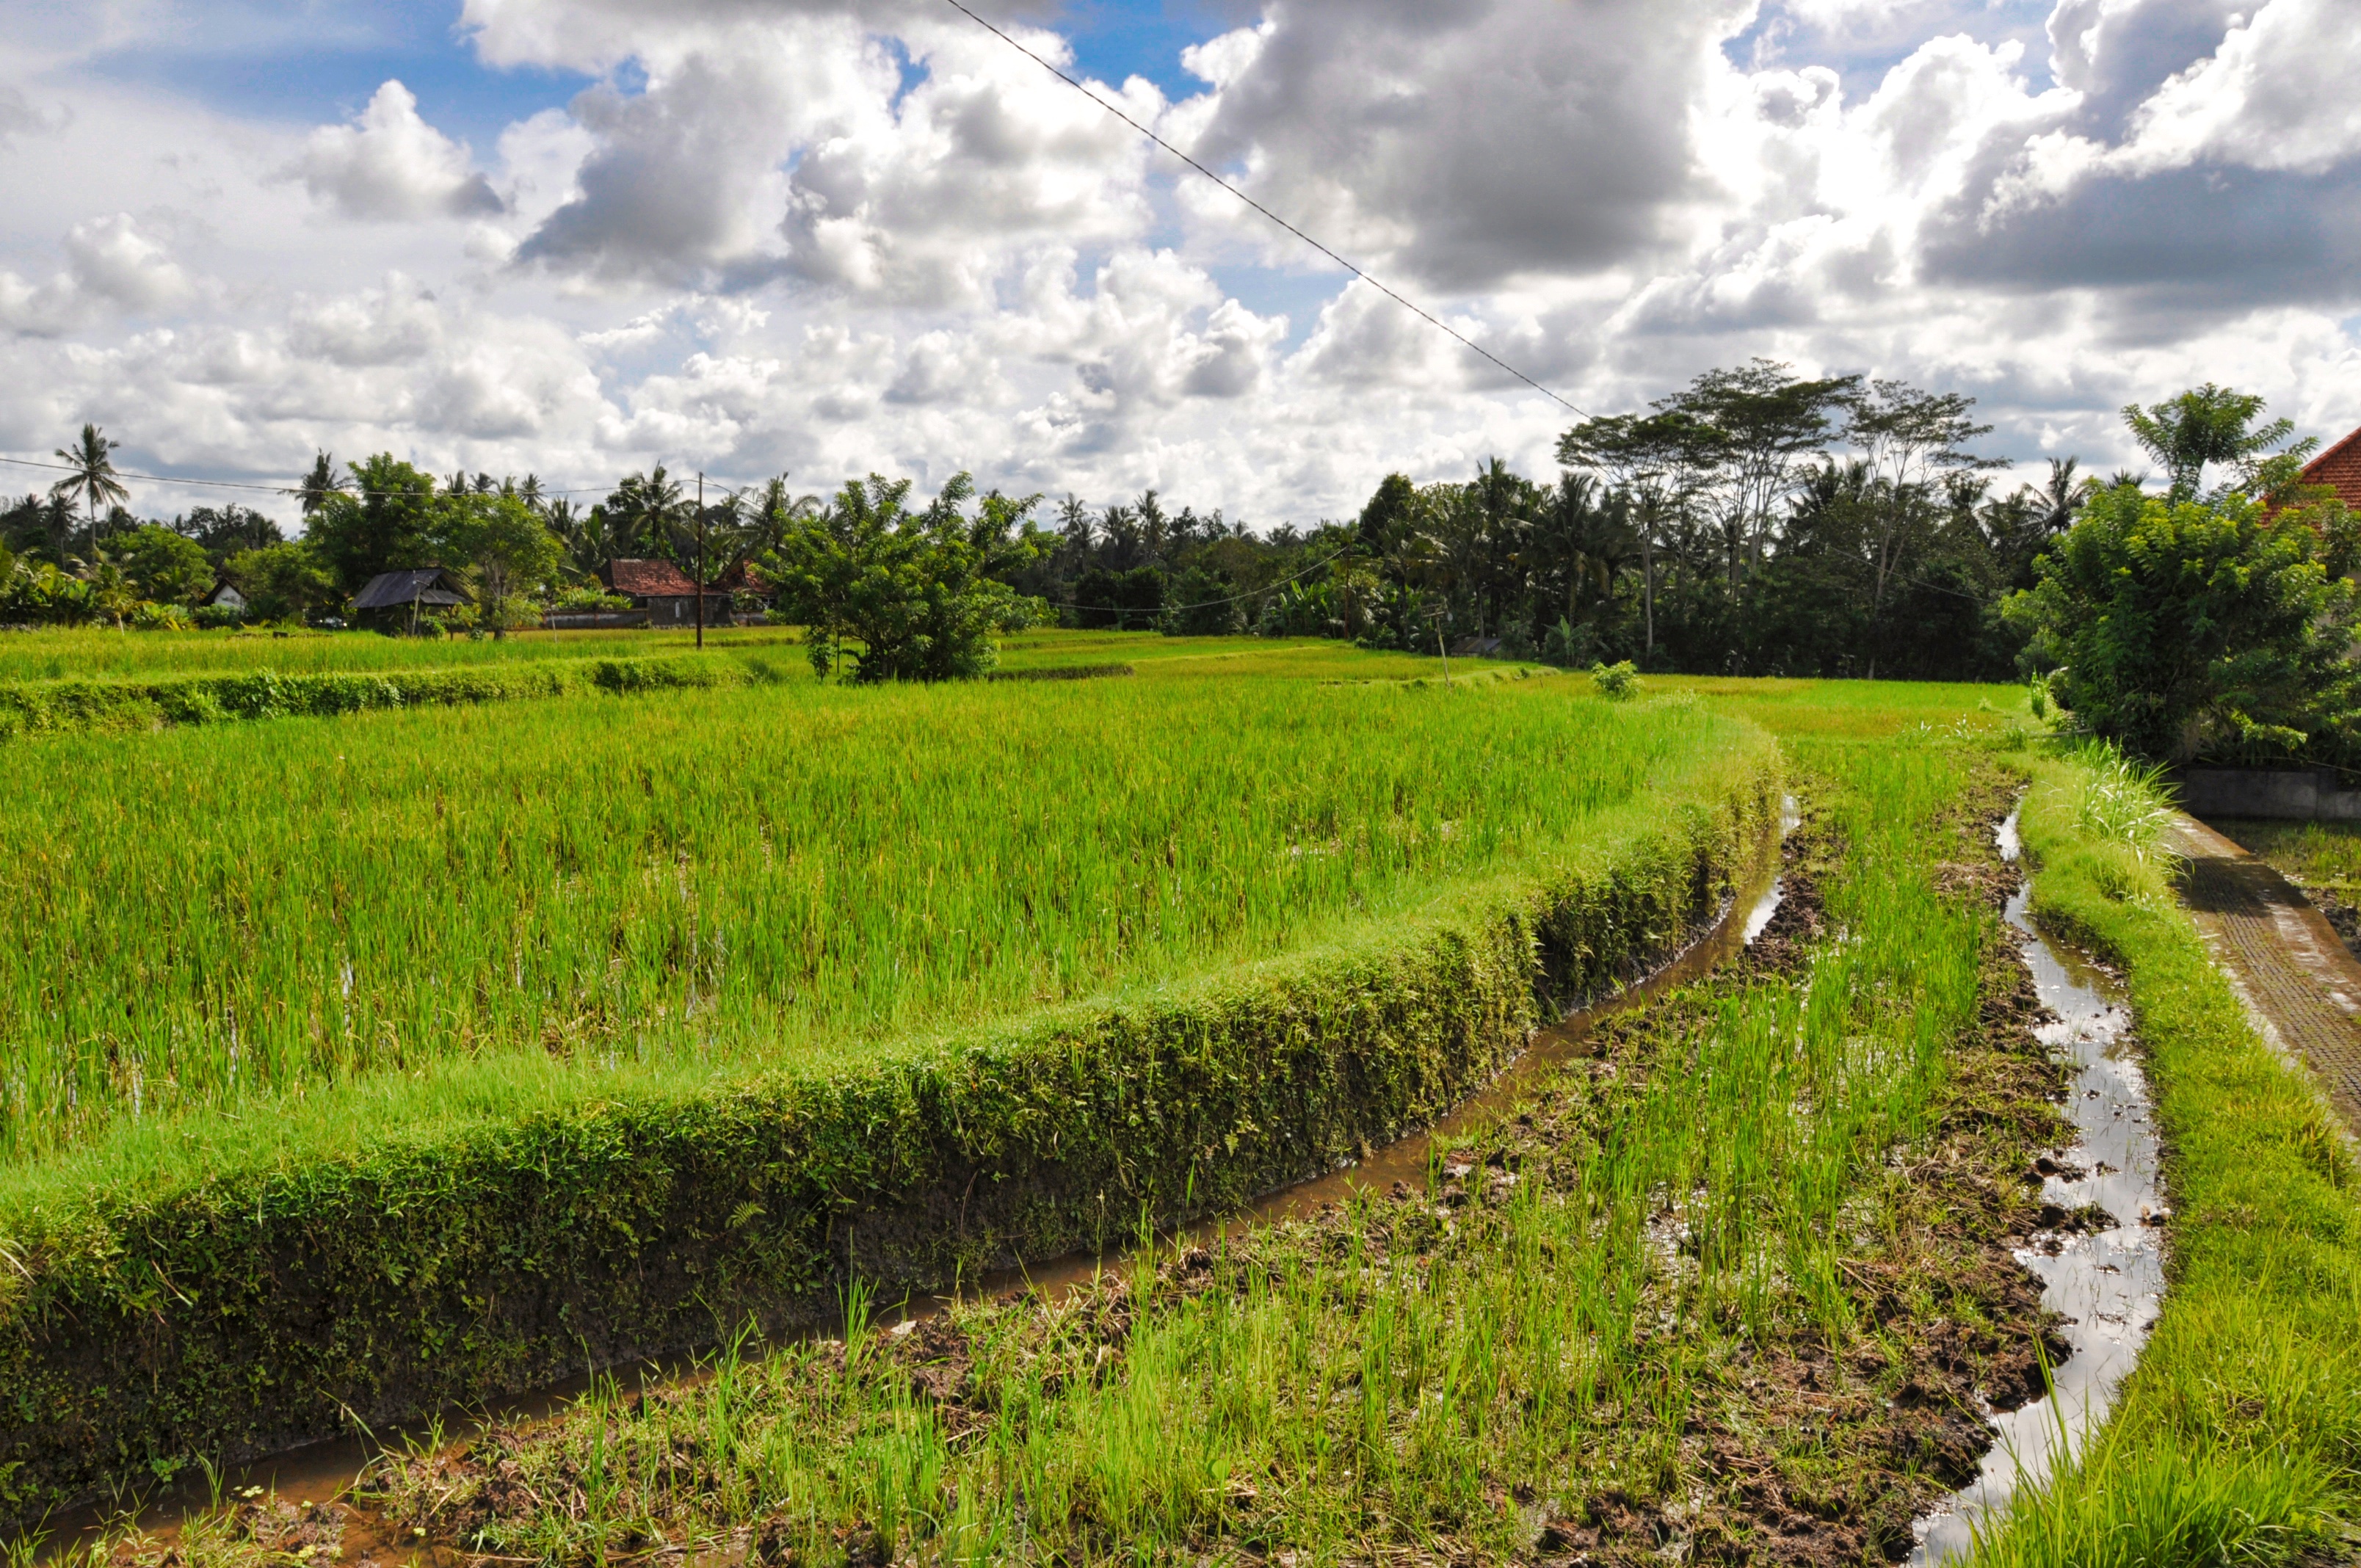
{"x": 198, "y": 917}
{"x": 80, "y": 653}
{"x": 2237, "y": 1439}
{"x": 1415, "y": 1379}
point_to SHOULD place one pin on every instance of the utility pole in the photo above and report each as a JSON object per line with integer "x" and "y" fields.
{"x": 700, "y": 558}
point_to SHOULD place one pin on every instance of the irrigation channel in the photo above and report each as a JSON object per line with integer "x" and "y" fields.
{"x": 2107, "y": 1284}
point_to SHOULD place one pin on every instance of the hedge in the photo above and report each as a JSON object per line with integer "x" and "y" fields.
{"x": 233, "y": 1311}
{"x": 46, "y": 707}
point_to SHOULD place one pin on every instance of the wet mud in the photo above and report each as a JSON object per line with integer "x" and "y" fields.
{"x": 2100, "y": 1252}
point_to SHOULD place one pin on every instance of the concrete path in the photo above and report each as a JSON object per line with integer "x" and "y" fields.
{"x": 2296, "y": 973}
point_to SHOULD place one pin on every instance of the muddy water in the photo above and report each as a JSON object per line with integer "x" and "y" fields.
{"x": 2108, "y": 1283}
{"x": 323, "y": 1471}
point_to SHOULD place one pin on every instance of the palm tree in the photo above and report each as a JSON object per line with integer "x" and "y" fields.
{"x": 321, "y": 483}
{"x": 2062, "y": 498}
{"x": 650, "y": 515}
{"x": 93, "y": 478}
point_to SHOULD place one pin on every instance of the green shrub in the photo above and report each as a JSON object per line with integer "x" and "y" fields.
{"x": 2213, "y": 628}
{"x": 1618, "y": 680}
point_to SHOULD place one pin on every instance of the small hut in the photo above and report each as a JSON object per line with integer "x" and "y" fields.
{"x": 393, "y": 601}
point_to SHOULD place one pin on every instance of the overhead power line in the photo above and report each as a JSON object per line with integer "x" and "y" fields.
{"x": 1378, "y": 284}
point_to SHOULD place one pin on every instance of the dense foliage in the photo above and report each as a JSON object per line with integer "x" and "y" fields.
{"x": 913, "y": 589}
{"x": 1753, "y": 522}
{"x": 2186, "y": 629}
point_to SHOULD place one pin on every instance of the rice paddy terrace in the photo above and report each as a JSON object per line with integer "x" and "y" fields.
{"x": 362, "y": 1067}
{"x": 357, "y": 1065}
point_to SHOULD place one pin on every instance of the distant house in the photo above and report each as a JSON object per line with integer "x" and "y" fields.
{"x": 226, "y": 597}
{"x": 665, "y": 591}
{"x": 742, "y": 585}
{"x": 2339, "y": 468}
{"x": 395, "y": 600}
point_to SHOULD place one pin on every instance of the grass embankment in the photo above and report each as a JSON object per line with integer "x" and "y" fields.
{"x": 89, "y": 682}
{"x": 49, "y": 707}
{"x": 103, "y": 654}
{"x": 2238, "y": 1437}
{"x": 524, "y": 1038}
{"x": 1728, "y": 1291}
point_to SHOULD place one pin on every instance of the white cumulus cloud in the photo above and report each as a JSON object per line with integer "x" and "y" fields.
{"x": 390, "y": 165}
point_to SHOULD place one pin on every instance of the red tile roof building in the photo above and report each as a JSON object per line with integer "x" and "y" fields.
{"x": 2339, "y": 468}
{"x": 647, "y": 579}
{"x": 665, "y": 591}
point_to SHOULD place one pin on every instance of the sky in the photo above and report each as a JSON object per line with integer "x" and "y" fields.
{"x": 829, "y": 237}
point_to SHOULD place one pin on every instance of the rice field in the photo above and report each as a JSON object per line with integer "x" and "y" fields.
{"x": 210, "y": 917}
{"x": 1643, "y": 1314}
{"x": 84, "y": 653}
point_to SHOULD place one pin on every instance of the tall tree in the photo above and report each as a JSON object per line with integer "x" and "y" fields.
{"x": 325, "y": 480}
{"x": 225, "y": 530}
{"x": 2212, "y": 426}
{"x": 1909, "y": 440}
{"x": 389, "y": 523}
{"x": 93, "y": 478}
{"x": 513, "y": 551}
{"x": 652, "y": 516}
{"x": 1659, "y": 463}
{"x": 1768, "y": 421}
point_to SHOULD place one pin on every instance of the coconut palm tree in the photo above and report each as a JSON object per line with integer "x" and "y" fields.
{"x": 93, "y": 479}
{"x": 321, "y": 483}
{"x": 2061, "y": 500}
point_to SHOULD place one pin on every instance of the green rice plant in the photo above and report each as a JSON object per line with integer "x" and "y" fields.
{"x": 719, "y": 998}
{"x": 118, "y": 706}
{"x": 1431, "y": 1374}
{"x": 62, "y": 653}
{"x": 204, "y": 916}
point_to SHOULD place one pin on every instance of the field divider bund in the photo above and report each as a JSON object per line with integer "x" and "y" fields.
{"x": 256, "y": 1310}
{"x": 67, "y": 707}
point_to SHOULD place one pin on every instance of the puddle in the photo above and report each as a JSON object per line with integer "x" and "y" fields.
{"x": 2108, "y": 1284}
{"x": 320, "y": 1471}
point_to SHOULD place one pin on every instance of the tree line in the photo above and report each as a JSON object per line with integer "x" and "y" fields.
{"x": 1755, "y": 521}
